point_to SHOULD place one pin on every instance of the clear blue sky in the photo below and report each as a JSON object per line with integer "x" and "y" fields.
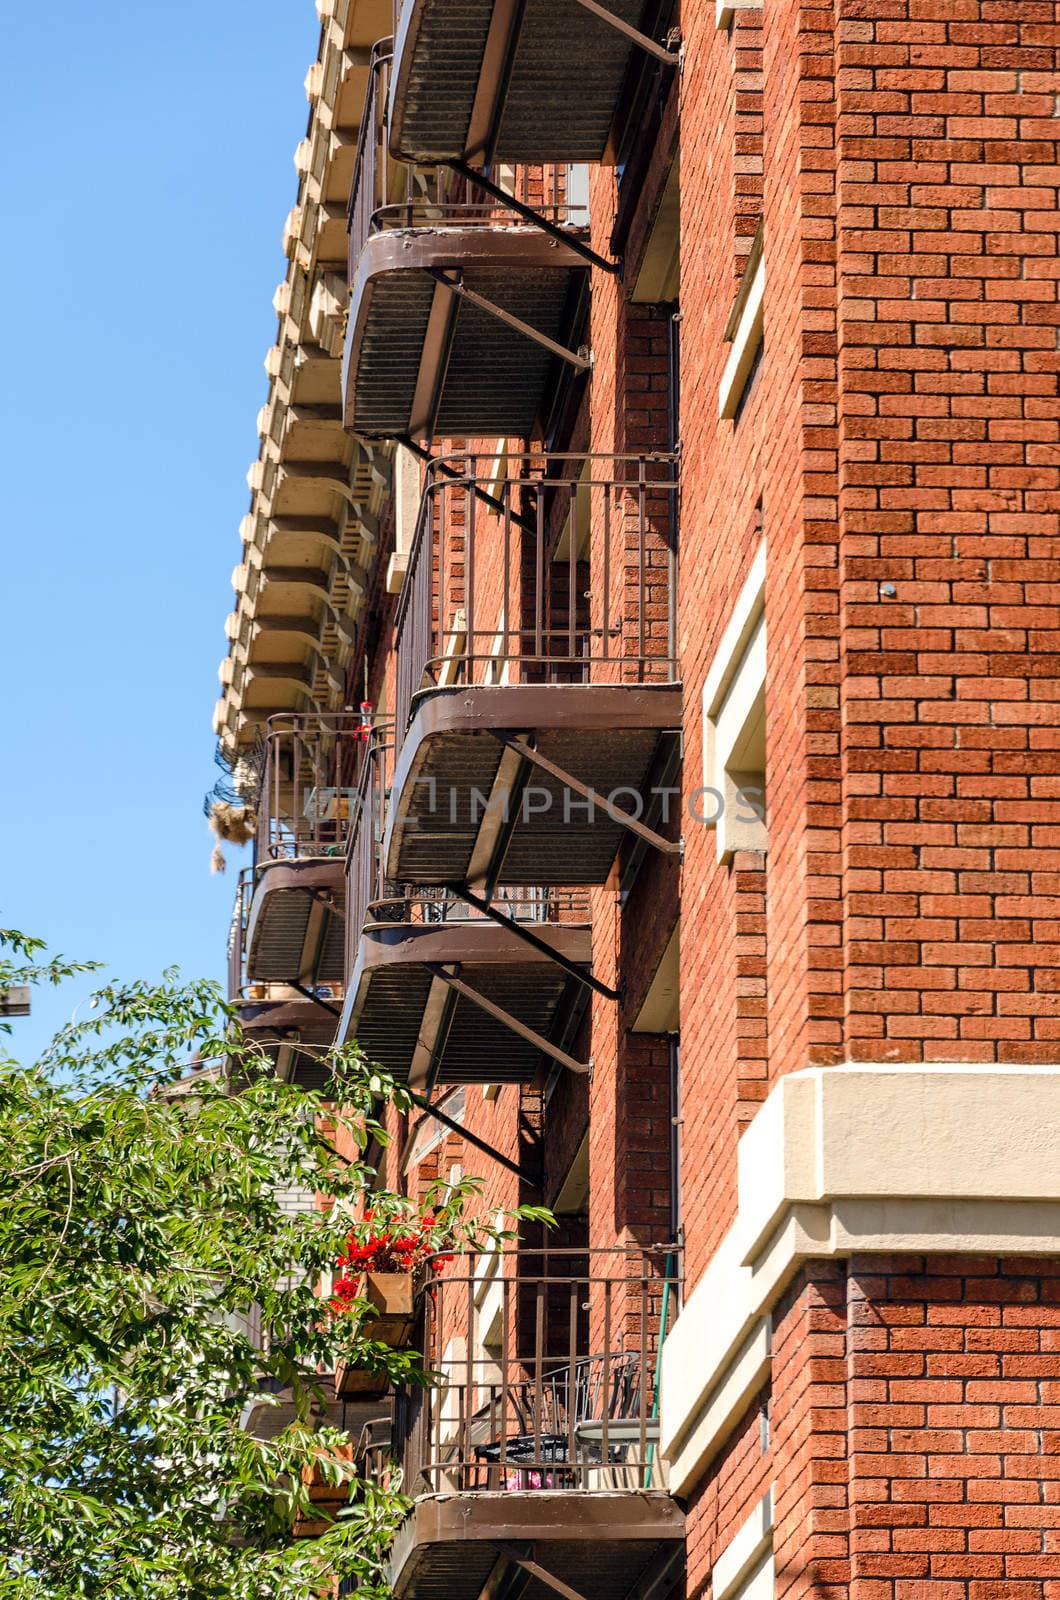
{"x": 147, "y": 171}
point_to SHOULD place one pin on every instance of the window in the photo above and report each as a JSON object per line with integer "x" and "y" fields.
{"x": 734, "y": 745}
{"x": 744, "y": 331}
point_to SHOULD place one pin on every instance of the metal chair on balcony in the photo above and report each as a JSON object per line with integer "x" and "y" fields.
{"x": 563, "y": 1420}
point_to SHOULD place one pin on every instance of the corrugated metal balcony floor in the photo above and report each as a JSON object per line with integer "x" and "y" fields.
{"x": 421, "y": 361}
{"x": 418, "y": 1028}
{"x": 560, "y": 98}
{"x": 605, "y": 735}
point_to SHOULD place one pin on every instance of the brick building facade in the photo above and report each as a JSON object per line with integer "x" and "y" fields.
{"x": 768, "y": 293}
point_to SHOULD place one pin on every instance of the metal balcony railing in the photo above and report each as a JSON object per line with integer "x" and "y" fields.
{"x": 386, "y": 193}
{"x": 309, "y": 787}
{"x": 547, "y": 1367}
{"x": 237, "y": 934}
{"x": 546, "y": 569}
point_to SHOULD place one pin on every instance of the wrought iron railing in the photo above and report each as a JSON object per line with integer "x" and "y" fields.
{"x": 547, "y": 1372}
{"x": 386, "y": 193}
{"x": 237, "y": 934}
{"x": 310, "y": 783}
{"x": 540, "y": 569}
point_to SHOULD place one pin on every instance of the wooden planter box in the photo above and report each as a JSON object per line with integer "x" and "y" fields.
{"x": 329, "y": 1497}
{"x": 391, "y": 1295}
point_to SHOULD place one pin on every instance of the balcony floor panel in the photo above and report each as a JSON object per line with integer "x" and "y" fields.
{"x": 599, "y": 1543}
{"x": 607, "y": 736}
{"x": 291, "y": 937}
{"x": 390, "y": 997}
{"x": 561, "y": 98}
{"x": 493, "y": 378}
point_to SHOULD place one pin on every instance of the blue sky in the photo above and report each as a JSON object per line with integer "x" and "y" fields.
{"x": 146, "y": 174}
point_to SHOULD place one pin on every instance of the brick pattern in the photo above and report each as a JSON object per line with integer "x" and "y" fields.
{"x": 748, "y": 129}
{"x": 728, "y": 1493}
{"x": 913, "y": 1401}
{"x": 750, "y": 951}
{"x": 948, "y": 499}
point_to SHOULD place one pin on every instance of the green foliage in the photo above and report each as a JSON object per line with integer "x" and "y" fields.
{"x": 146, "y": 1230}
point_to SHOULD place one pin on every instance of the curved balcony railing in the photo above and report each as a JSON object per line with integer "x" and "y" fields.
{"x": 309, "y": 787}
{"x": 387, "y": 193}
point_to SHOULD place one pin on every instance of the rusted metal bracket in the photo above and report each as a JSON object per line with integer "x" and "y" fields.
{"x": 561, "y": 235}
{"x": 669, "y": 847}
{"x": 307, "y": 994}
{"x": 323, "y": 899}
{"x": 661, "y": 52}
{"x": 494, "y": 502}
{"x": 525, "y": 1559}
{"x": 505, "y": 1018}
{"x": 456, "y": 286}
{"x": 458, "y": 1127}
{"x": 522, "y": 931}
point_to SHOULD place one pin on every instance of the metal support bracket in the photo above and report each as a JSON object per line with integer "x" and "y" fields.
{"x": 307, "y": 994}
{"x": 494, "y": 502}
{"x": 322, "y": 898}
{"x": 456, "y": 286}
{"x": 522, "y": 931}
{"x": 505, "y": 1018}
{"x": 669, "y": 847}
{"x": 528, "y": 214}
{"x": 525, "y": 1558}
{"x": 458, "y": 1127}
{"x": 661, "y": 52}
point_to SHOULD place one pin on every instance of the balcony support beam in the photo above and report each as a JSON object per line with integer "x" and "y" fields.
{"x": 523, "y": 932}
{"x": 458, "y": 1127}
{"x": 661, "y": 52}
{"x": 505, "y": 1018}
{"x": 454, "y": 282}
{"x": 669, "y": 847}
{"x": 565, "y": 236}
{"x": 525, "y": 1560}
{"x": 307, "y": 994}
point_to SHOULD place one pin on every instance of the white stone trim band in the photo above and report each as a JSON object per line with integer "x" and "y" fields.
{"x": 869, "y": 1159}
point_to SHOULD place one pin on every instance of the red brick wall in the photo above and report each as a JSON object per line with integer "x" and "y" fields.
{"x": 919, "y": 1454}
{"x": 948, "y": 493}
{"x": 728, "y": 1494}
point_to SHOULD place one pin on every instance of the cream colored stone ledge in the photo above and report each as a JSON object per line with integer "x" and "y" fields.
{"x": 857, "y": 1159}
{"x": 744, "y": 1570}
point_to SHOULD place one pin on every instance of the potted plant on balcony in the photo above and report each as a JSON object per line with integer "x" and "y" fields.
{"x": 326, "y": 1484}
{"x": 391, "y": 1253}
{"x": 378, "y": 1277}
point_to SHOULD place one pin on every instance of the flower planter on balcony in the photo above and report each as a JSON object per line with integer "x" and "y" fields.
{"x": 327, "y": 1498}
{"x": 390, "y": 1295}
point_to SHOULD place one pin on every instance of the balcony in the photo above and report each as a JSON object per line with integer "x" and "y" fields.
{"x": 286, "y": 948}
{"x": 461, "y": 315}
{"x": 481, "y": 81}
{"x": 538, "y": 689}
{"x": 536, "y": 1456}
{"x": 443, "y": 992}
{"x": 290, "y": 1029}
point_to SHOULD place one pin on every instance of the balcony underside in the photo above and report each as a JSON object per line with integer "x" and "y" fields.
{"x": 293, "y": 1035}
{"x": 421, "y": 361}
{"x": 604, "y": 1545}
{"x": 558, "y": 104}
{"x": 416, "y": 1026}
{"x": 440, "y": 828}
{"x": 296, "y": 934}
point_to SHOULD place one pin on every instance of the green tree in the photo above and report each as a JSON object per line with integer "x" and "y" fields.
{"x": 145, "y": 1231}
